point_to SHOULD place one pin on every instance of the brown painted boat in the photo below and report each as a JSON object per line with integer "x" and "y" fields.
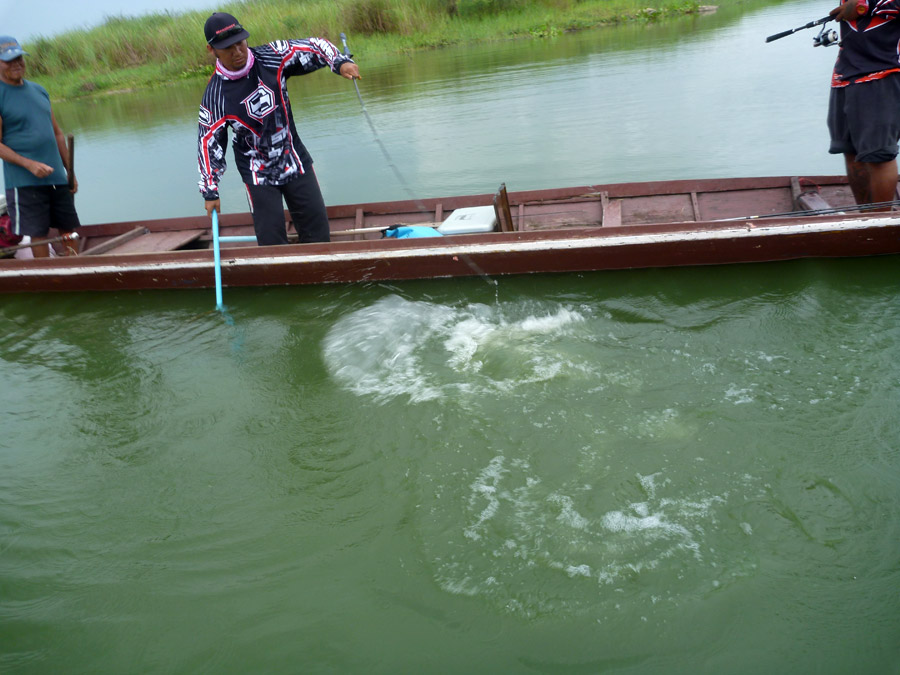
{"x": 595, "y": 227}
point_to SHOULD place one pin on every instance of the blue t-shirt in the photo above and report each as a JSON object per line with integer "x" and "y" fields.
{"x": 28, "y": 129}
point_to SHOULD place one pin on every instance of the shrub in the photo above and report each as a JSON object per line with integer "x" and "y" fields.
{"x": 368, "y": 17}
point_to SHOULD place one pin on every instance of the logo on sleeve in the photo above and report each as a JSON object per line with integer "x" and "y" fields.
{"x": 260, "y": 103}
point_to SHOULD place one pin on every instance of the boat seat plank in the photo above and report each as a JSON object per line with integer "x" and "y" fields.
{"x": 695, "y": 206}
{"x": 812, "y": 201}
{"x": 155, "y": 242}
{"x": 114, "y": 242}
{"x": 612, "y": 211}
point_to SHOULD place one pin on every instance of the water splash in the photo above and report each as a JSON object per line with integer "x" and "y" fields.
{"x": 427, "y": 351}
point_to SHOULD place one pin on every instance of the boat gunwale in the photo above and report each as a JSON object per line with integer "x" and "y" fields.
{"x": 587, "y": 193}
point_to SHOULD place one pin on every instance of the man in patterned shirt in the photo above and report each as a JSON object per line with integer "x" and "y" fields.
{"x": 248, "y": 92}
{"x": 864, "y": 110}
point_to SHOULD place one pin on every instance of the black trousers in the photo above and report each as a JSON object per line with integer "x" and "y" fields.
{"x": 304, "y": 202}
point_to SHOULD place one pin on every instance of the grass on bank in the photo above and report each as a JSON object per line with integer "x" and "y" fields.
{"x": 151, "y": 50}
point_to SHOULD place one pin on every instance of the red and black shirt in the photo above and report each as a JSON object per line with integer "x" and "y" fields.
{"x": 870, "y": 45}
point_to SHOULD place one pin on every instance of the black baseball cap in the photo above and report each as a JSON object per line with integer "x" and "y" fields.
{"x": 223, "y": 30}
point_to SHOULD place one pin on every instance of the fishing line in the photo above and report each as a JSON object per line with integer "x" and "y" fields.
{"x": 418, "y": 202}
{"x": 387, "y": 156}
{"x": 821, "y": 212}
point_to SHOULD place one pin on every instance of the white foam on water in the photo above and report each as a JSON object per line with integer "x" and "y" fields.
{"x": 465, "y": 339}
{"x": 739, "y": 395}
{"x": 376, "y": 350}
{"x": 427, "y": 351}
{"x": 484, "y": 489}
{"x": 519, "y": 530}
{"x": 550, "y": 324}
{"x": 579, "y": 571}
{"x": 568, "y": 515}
{"x": 618, "y": 521}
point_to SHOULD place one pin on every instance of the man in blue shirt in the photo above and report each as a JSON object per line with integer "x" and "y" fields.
{"x": 34, "y": 153}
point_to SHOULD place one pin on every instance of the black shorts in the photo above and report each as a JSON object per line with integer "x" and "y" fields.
{"x": 34, "y": 209}
{"x": 305, "y": 204}
{"x": 864, "y": 119}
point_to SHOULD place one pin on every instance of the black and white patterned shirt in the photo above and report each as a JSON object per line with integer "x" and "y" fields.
{"x": 267, "y": 148}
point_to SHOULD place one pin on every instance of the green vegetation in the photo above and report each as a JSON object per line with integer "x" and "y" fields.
{"x": 152, "y": 50}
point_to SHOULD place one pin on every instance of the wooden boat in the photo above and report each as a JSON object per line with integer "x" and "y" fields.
{"x": 595, "y": 227}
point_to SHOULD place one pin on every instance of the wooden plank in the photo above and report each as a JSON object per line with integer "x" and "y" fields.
{"x": 155, "y": 242}
{"x": 612, "y": 211}
{"x": 695, "y": 205}
{"x": 501, "y": 208}
{"x": 115, "y": 242}
{"x": 812, "y": 201}
{"x": 795, "y": 189}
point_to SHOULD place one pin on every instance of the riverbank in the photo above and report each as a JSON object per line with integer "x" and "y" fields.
{"x": 135, "y": 53}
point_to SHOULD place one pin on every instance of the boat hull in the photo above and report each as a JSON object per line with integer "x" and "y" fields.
{"x": 569, "y": 250}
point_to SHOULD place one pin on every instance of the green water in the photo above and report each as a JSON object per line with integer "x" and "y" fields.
{"x": 672, "y": 471}
{"x": 658, "y": 471}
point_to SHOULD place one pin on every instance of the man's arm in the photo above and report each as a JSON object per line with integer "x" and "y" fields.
{"x": 301, "y": 56}
{"x": 211, "y": 155}
{"x": 7, "y": 154}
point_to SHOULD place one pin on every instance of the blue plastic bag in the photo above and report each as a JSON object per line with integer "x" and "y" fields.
{"x": 411, "y": 232}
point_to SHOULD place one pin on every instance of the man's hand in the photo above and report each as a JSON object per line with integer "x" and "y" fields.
{"x": 350, "y": 71}
{"x": 74, "y": 186}
{"x": 39, "y": 169}
{"x": 212, "y": 205}
{"x": 850, "y": 10}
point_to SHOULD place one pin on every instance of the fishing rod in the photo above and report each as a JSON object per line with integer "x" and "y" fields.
{"x": 825, "y": 38}
{"x": 384, "y": 151}
{"x": 822, "y": 212}
{"x": 69, "y": 236}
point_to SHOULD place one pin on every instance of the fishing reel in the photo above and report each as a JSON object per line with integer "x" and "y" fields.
{"x": 826, "y": 38}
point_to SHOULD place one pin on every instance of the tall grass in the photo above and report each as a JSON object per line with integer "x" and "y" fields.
{"x": 159, "y": 48}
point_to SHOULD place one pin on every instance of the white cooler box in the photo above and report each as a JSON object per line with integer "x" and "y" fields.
{"x": 469, "y": 220}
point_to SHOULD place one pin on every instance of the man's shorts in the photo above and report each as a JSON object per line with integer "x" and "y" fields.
{"x": 36, "y": 208}
{"x": 864, "y": 119}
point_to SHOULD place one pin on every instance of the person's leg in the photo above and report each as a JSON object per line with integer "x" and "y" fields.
{"x": 29, "y": 214}
{"x": 307, "y": 206}
{"x": 873, "y": 116}
{"x": 63, "y": 215}
{"x": 883, "y": 182}
{"x": 872, "y": 182}
{"x": 268, "y": 214}
{"x": 858, "y": 176}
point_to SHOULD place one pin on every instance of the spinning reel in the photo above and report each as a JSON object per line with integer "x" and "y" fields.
{"x": 825, "y": 38}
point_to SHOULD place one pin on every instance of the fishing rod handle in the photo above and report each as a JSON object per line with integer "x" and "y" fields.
{"x": 778, "y": 36}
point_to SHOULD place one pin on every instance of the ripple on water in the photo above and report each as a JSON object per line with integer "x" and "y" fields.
{"x": 533, "y": 548}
